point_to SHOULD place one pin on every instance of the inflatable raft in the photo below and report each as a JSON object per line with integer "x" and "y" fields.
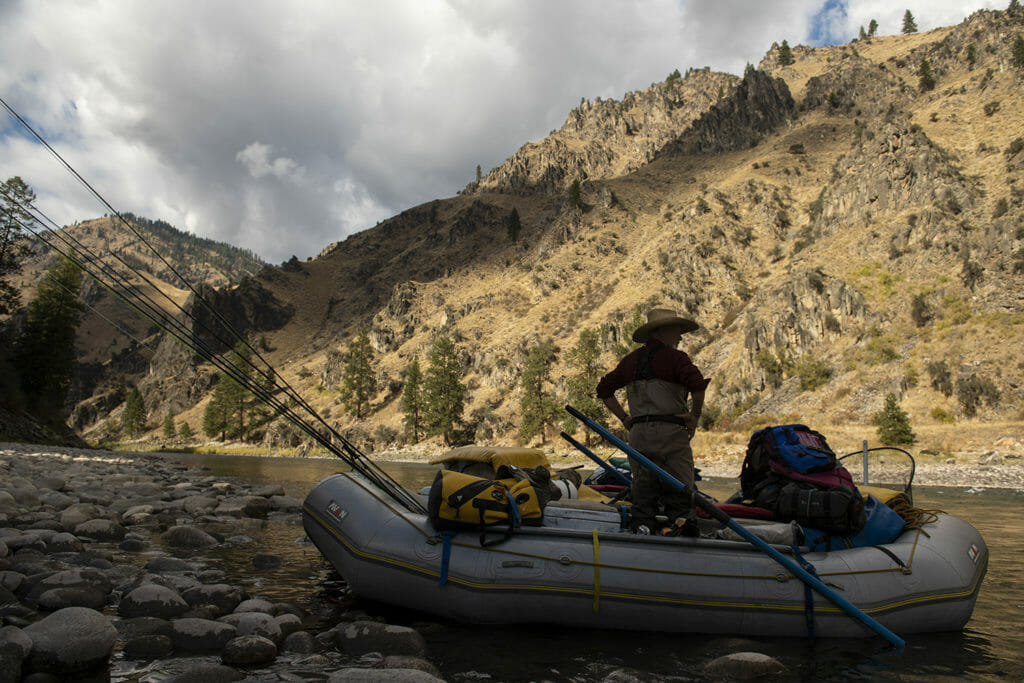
{"x": 582, "y": 569}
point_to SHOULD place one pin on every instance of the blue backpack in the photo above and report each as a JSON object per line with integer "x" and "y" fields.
{"x": 797, "y": 448}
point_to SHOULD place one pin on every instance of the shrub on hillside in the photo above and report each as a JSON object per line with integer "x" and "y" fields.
{"x": 974, "y": 390}
{"x": 813, "y": 373}
{"x": 942, "y": 380}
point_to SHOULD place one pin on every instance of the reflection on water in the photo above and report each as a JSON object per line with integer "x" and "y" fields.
{"x": 988, "y": 649}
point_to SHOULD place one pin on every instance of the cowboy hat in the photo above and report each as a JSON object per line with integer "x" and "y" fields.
{"x": 662, "y": 317}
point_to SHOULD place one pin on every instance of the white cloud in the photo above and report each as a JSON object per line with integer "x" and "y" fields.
{"x": 283, "y": 126}
{"x": 256, "y": 159}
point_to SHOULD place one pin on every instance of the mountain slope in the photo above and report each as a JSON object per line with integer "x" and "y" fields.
{"x": 839, "y": 232}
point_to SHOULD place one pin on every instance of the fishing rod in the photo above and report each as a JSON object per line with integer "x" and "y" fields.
{"x": 99, "y": 269}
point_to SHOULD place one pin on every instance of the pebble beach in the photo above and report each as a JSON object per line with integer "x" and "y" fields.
{"x": 97, "y": 569}
{"x": 97, "y": 573}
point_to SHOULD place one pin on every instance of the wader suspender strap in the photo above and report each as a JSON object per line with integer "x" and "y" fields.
{"x": 808, "y": 593}
{"x": 644, "y": 368}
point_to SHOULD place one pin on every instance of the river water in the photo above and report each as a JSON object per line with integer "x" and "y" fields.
{"x": 991, "y": 647}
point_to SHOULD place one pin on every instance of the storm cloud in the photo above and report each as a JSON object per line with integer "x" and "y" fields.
{"x": 283, "y": 126}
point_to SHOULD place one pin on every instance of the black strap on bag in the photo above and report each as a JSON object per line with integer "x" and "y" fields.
{"x": 515, "y": 519}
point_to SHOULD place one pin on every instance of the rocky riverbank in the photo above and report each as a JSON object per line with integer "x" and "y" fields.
{"x": 99, "y": 578}
{"x": 105, "y": 571}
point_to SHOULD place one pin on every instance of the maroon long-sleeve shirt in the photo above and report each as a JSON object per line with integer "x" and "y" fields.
{"x": 671, "y": 365}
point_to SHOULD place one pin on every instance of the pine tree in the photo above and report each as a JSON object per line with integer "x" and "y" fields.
{"x": 872, "y": 28}
{"x": 1017, "y": 58}
{"x": 537, "y": 406}
{"x": 45, "y": 351}
{"x": 412, "y": 401}
{"x": 228, "y": 413}
{"x": 169, "y": 430}
{"x": 863, "y": 35}
{"x": 16, "y": 199}
{"x": 909, "y": 25}
{"x": 216, "y": 417}
{"x": 926, "y": 81}
{"x": 581, "y": 384}
{"x": 359, "y": 381}
{"x": 444, "y": 395}
{"x": 893, "y": 423}
{"x": 514, "y": 227}
{"x": 133, "y": 418}
{"x": 785, "y": 54}
{"x": 184, "y": 431}
{"x": 575, "y": 195}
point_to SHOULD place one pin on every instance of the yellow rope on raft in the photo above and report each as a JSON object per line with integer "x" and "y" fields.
{"x": 913, "y": 517}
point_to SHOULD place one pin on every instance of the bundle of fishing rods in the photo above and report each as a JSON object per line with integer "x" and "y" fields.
{"x": 214, "y": 342}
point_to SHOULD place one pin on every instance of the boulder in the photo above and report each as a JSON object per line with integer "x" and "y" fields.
{"x": 221, "y": 595}
{"x": 301, "y": 642}
{"x": 407, "y": 662}
{"x": 78, "y": 513}
{"x": 288, "y": 623}
{"x": 70, "y": 640}
{"x": 15, "y": 637}
{"x": 59, "y": 598}
{"x": 255, "y": 605}
{"x": 92, "y": 582}
{"x": 268, "y": 490}
{"x": 187, "y": 671}
{"x": 165, "y": 565}
{"x": 248, "y": 650}
{"x": 136, "y": 627}
{"x": 353, "y": 675}
{"x": 255, "y": 624}
{"x": 268, "y": 561}
{"x": 245, "y": 506}
{"x": 10, "y": 662}
{"x": 201, "y": 635}
{"x": 286, "y": 503}
{"x": 152, "y": 600}
{"x": 743, "y": 666}
{"x": 199, "y": 505}
{"x": 188, "y": 537}
{"x": 360, "y": 637}
{"x": 991, "y": 458}
{"x": 149, "y": 647}
{"x": 100, "y": 530}
{"x": 64, "y": 543}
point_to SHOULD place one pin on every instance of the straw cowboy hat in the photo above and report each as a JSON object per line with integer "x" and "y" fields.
{"x": 662, "y": 317}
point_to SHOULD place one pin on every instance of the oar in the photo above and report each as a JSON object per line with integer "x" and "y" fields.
{"x": 713, "y": 510}
{"x": 607, "y": 467}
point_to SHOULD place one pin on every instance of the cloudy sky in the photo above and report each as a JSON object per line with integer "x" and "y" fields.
{"x": 282, "y": 126}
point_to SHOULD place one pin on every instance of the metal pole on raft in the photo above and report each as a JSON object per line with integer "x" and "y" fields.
{"x": 865, "y": 461}
{"x": 713, "y": 510}
{"x": 607, "y": 467}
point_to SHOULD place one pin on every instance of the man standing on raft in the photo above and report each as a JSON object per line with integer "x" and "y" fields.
{"x": 658, "y": 379}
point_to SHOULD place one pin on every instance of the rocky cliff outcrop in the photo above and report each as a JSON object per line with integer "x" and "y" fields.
{"x": 890, "y": 171}
{"x": 758, "y": 105}
{"x": 609, "y": 138}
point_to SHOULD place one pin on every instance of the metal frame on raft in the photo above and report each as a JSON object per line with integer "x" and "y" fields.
{"x": 715, "y": 512}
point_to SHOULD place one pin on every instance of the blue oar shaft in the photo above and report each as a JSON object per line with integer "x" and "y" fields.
{"x": 716, "y": 512}
{"x": 618, "y": 476}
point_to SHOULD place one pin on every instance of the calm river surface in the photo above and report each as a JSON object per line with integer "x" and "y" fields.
{"x": 990, "y": 648}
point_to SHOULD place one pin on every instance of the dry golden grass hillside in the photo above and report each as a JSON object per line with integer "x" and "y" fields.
{"x": 840, "y": 230}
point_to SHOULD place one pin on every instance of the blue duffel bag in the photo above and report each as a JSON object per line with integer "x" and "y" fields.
{"x": 883, "y": 525}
